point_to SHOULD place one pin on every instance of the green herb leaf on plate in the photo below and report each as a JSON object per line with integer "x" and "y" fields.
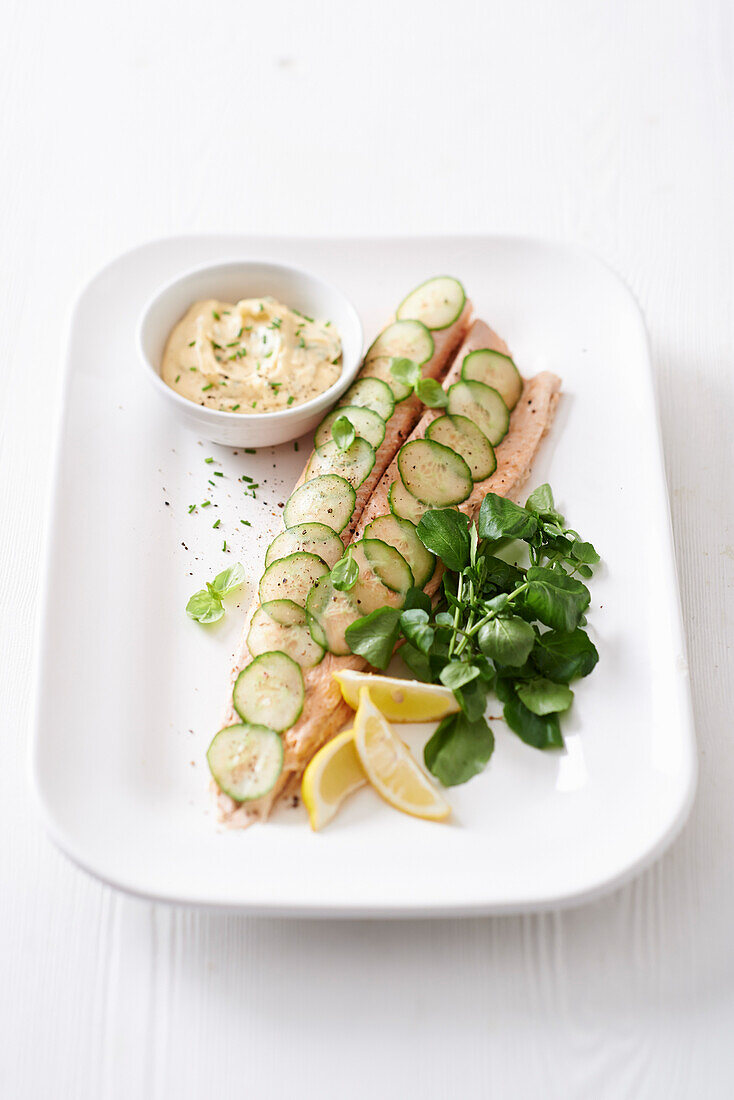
{"x": 445, "y": 532}
{"x": 205, "y": 607}
{"x": 458, "y": 673}
{"x": 345, "y": 573}
{"x": 564, "y": 657}
{"x": 374, "y": 636}
{"x": 507, "y": 641}
{"x": 544, "y": 696}
{"x": 229, "y": 579}
{"x": 459, "y": 749}
{"x": 343, "y": 433}
{"x": 406, "y": 371}
{"x": 432, "y": 394}
{"x": 540, "y": 732}
{"x": 500, "y": 518}
{"x": 416, "y": 628}
{"x": 557, "y": 599}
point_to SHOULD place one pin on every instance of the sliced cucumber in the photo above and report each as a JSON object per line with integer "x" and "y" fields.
{"x": 403, "y": 504}
{"x": 483, "y": 406}
{"x": 365, "y": 422}
{"x": 313, "y": 538}
{"x": 371, "y": 393}
{"x": 329, "y": 612}
{"x": 270, "y": 689}
{"x": 401, "y": 534}
{"x": 380, "y": 368}
{"x": 291, "y": 578}
{"x": 403, "y": 339}
{"x": 464, "y": 437}
{"x": 353, "y": 465}
{"x": 495, "y": 370}
{"x": 328, "y": 499}
{"x": 437, "y": 303}
{"x": 384, "y": 576}
{"x": 281, "y": 625}
{"x": 245, "y": 761}
{"x": 434, "y": 474}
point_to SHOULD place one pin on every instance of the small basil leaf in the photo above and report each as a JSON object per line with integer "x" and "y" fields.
{"x": 564, "y": 657}
{"x": 445, "y": 532}
{"x": 500, "y": 518}
{"x": 343, "y": 433}
{"x": 205, "y": 607}
{"x": 539, "y": 732}
{"x": 431, "y": 393}
{"x": 345, "y": 573}
{"x": 229, "y": 579}
{"x": 416, "y": 628}
{"x": 459, "y": 749}
{"x": 557, "y": 600}
{"x": 374, "y": 636}
{"x": 458, "y": 673}
{"x": 544, "y": 697}
{"x": 508, "y": 641}
{"x": 406, "y": 371}
{"x": 416, "y": 597}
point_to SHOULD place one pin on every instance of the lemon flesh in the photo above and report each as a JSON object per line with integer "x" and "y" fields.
{"x": 390, "y": 768}
{"x": 333, "y": 773}
{"x": 398, "y": 700}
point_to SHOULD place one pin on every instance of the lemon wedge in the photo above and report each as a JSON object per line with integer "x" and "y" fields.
{"x": 390, "y": 768}
{"x": 399, "y": 700}
{"x": 334, "y": 773}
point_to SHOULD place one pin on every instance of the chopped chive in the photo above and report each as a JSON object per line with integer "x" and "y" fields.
{"x": 193, "y": 368}
{"x": 217, "y": 523}
{"x": 246, "y": 522}
{"x": 215, "y": 315}
{"x": 178, "y": 376}
{"x": 295, "y": 444}
{"x": 205, "y": 503}
{"x": 246, "y": 478}
{"x": 208, "y": 386}
{"x": 239, "y": 334}
{"x": 301, "y": 343}
{"x": 192, "y": 343}
{"x": 218, "y": 473}
{"x": 210, "y": 482}
{"x": 326, "y": 324}
{"x": 291, "y": 399}
{"x": 250, "y": 451}
{"x": 248, "y": 328}
{"x": 234, "y": 408}
{"x": 192, "y": 508}
{"x": 208, "y": 459}
{"x": 254, "y": 404}
{"x": 224, "y": 546}
{"x": 276, "y": 322}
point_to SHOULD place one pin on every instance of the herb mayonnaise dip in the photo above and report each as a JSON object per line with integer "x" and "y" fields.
{"x": 253, "y": 356}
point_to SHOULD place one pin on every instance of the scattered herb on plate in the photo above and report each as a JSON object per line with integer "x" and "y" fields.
{"x": 207, "y": 605}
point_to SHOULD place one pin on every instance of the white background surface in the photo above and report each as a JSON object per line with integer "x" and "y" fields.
{"x": 607, "y": 124}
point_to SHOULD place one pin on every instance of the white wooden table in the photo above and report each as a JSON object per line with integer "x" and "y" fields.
{"x": 609, "y": 124}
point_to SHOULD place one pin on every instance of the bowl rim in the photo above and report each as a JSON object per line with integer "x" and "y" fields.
{"x": 313, "y": 405}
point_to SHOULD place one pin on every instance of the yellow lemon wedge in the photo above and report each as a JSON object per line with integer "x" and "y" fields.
{"x": 390, "y": 768}
{"x": 333, "y": 773}
{"x": 399, "y": 700}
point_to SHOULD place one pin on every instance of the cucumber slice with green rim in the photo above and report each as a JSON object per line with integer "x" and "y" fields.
{"x": 371, "y": 393}
{"x": 464, "y": 437}
{"x": 401, "y": 534}
{"x": 380, "y": 368}
{"x": 291, "y": 578}
{"x": 403, "y": 504}
{"x": 328, "y": 499}
{"x": 245, "y": 761}
{"x": 365, "y": 422}
{"x": 434, "y": 474}
{"x": 495, "y": 370}
{"x": 407, "y": 339}
{"x": 329, "y": 612}
{"x": 437, "y": 303}
{"x": 313, "y": 538}
{"x": 281, "y": 625}
{"x": 483, "y": 406}
{"x": 270, "y": 689}
{"x": 385, "y": 561}
{"x": 353, "y": 465}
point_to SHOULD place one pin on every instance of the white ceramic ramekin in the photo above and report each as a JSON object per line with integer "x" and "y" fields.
{"x": 230, "y": 281}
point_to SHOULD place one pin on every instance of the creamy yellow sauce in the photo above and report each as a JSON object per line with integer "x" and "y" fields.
{"x": 253, "y": 356}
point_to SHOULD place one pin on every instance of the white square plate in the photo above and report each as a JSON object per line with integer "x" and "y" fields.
{"x": 129, "y": 691}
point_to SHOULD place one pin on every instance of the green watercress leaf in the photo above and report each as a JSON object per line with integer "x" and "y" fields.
{"x": 541, "y": 732}
{"x": 459, "y": 749}
{"x": 541, "y": 502}
{"x": 445, "y": 532}
{"x": 472, "y": 697}
{"x": 508, "y": 641}
{"x": 205, "y": 607}
{"x": 444, "y": 618}
{"x": 458, "y": 673}
{"x": 500, "y": 574}
{"x": 374, "y": 636}
{"x": 584, "y": 552}
{"x": 345, "y": 573}
{"x": 431, "y": 393}
{"x": 406, "y": 371}
{"x": 417, "y": 662}
{"x": 544, "y": 696}
{"x": 557, "y": 600}
{"x": 417, "y": 598}
{"x": 500, "y": 518}
{"x": 564, "y": 657}
{"x": 343, "y": 433}
{"x": 417, "y": 629}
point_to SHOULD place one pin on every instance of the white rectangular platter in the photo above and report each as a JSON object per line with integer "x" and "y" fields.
{"x": 130, "y": 691}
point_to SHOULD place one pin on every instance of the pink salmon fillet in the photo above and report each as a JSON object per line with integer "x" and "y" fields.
{"x": 325, "y": 712}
